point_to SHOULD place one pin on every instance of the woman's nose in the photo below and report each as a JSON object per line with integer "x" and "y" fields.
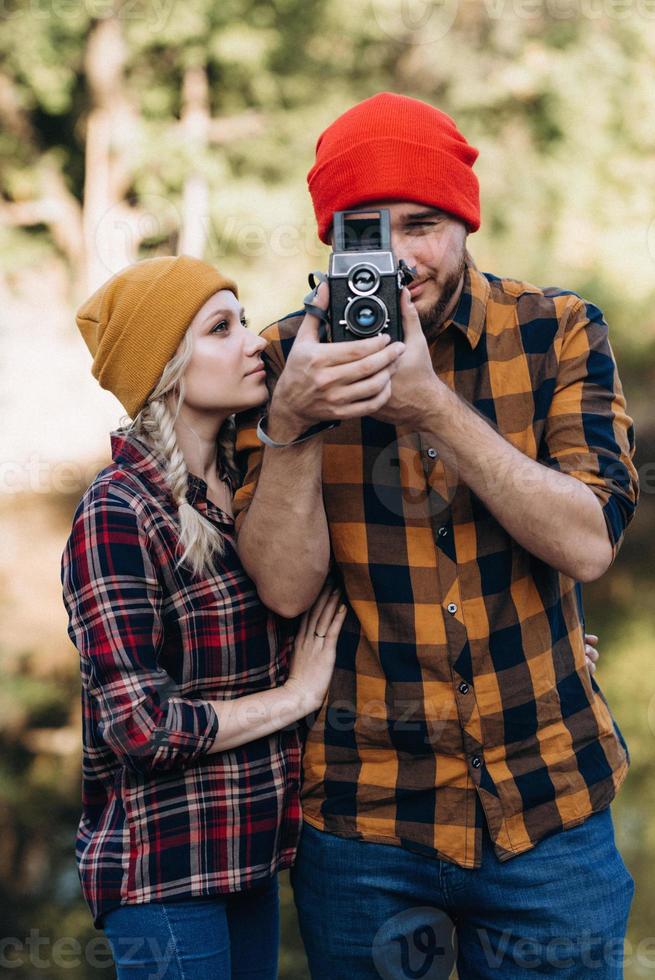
{"x": 255, "y": 344}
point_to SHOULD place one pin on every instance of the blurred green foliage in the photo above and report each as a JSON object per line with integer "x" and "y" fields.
{"x": 561, "y": 107}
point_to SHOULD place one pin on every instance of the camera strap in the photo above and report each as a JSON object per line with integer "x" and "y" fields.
{"x": 313, "y": 430}
{"x": 315, "y": 279}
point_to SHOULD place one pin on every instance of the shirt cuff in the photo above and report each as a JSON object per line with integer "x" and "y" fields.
{"x": 189, "y": 731}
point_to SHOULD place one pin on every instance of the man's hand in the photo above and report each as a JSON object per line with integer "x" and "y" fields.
{"x": 415, "y": 381}
{"x": 590, "y": 651}
{"x": 330, "y": 382}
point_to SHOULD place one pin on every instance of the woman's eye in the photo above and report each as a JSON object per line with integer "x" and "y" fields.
{"x": 245, "y": 322}
{"x": 220, "y": 327}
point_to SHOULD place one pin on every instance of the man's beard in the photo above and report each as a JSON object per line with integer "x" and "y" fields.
{"x": 432, "y": 319}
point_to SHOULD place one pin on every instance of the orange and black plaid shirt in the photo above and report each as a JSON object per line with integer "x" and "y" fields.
{"x": 461, "y": 692}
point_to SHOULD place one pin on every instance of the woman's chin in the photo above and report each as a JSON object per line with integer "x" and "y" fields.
{"x": 255, "y": 399}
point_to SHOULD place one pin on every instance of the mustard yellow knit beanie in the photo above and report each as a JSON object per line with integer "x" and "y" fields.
{"x": 134, "y": 323}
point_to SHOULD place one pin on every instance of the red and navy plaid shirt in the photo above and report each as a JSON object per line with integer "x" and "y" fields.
{"x": 161, "y": 817}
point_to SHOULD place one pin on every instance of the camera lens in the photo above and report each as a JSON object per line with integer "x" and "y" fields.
{"x": 363, "y": 279}
{"x": 366, "y": 316}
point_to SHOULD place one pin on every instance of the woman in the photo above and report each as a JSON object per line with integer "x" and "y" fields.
{"x": 190, "y": 687}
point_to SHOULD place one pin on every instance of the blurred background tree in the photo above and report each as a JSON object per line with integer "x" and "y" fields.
{"x": 157, "y": 126}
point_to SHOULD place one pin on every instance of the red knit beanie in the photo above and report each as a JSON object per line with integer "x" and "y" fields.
{"x": 390, "y": 148}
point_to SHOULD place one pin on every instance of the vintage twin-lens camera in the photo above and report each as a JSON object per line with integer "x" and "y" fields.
{"x": 365, "y": 280}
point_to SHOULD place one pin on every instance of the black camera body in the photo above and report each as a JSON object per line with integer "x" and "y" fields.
{"x": 365, "y": 280}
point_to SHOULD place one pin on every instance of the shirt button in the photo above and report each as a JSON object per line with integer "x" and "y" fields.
{"x": 463, "y": 688}
{"x": 476, "y": 761}
{"x": 442, "y": 532}
{"x": 432, "y": 453}
{"x": 452, "y": 608}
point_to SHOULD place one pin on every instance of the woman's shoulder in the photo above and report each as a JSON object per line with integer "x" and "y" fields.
{"x": 116, "y": 488}
{"x": 114, "y": 537}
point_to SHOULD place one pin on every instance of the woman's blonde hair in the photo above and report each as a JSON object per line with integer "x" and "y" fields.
{"x": 200, "y": 541}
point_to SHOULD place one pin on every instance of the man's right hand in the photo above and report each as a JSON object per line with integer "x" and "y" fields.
{"x": 330, "y": 382}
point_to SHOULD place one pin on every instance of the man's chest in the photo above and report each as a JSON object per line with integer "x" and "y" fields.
{"x": 380, "y": 473}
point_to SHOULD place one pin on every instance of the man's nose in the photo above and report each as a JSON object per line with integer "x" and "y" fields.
{"x": 402, "y": 249}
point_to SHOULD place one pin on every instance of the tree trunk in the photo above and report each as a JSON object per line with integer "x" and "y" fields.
{"x": 195, "y": 201}
{"x": 111, "y": 237}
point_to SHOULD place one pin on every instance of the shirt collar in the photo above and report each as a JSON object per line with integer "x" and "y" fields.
{"x": 470, "y": 313}
{"x": 130, "y": 452}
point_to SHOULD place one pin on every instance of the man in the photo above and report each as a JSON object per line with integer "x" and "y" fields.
{"x": 464, "y": 760}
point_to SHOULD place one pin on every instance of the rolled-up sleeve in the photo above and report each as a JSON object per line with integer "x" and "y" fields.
{"x": 588, "y": 433}
{"x": 249, "y": 451}
{"x": 114, "y": 604}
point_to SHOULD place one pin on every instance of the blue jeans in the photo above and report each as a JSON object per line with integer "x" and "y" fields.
{"x": 217, "y": 938}
{"x": 376, "y": 910}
